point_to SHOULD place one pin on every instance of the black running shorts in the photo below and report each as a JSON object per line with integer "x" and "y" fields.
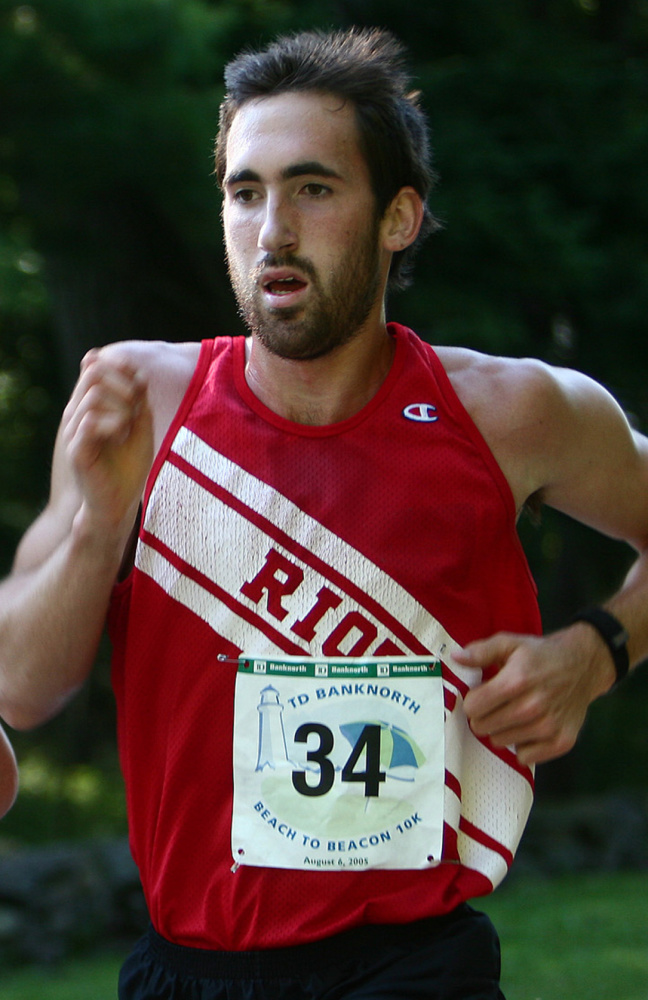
{"x": 454, "y": 957}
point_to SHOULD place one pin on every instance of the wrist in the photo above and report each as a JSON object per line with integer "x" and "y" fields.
{"x": 612, "y": 635}
{"x": 103, "y": 539}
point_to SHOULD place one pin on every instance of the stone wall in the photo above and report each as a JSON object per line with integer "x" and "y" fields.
{"x": 66, "y": 898}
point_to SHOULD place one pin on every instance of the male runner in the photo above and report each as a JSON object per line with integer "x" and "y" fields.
{"x": 328, "y": 666}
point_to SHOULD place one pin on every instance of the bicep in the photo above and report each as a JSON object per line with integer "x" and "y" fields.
{"x": 598, "y": 470}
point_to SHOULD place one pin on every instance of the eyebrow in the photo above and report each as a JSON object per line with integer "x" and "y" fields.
{"x": 311, "y": 168}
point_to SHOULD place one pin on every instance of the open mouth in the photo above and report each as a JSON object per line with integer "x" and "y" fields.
{"x": 283, "y": 286}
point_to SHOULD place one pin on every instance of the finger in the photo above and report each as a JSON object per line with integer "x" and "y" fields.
{"x": 541, "y": 751}
{"x": 94, "y": 427}
{"x": 490, "y": 703}
{"x": 98, "y": 431}
{"x": 545, "y": 735}
{"x": 489, "y": 652}
{"x": 89, "y": 358}
{"x": 104, "y": 391}
{"x": 503, "y": 729}
{"x": 516, "y": 730}
{"x": 115, "y": 375}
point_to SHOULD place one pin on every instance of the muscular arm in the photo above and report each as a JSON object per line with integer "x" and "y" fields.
{"x": 54, "y": 603}
{"x": 572, "y": 443}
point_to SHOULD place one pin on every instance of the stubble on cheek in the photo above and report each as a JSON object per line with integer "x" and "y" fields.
{"x": 293, "y": 332}
{"x": 334, "y": 311}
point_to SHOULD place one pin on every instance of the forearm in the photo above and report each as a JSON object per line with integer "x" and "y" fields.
{"x": 54, "y": 604}
{"x": 630, "y": 606}
{"x": 51, "y": 620}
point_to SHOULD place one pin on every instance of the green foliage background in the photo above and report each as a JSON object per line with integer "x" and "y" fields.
{"x": 109, "y": 229}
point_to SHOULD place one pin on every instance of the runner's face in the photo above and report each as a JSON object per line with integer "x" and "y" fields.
{"x": 301, "y": 233}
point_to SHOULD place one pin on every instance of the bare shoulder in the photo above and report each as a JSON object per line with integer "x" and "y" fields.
{"x": 545, "y": 425}
{"x": 473, "y": 372}
{"x": 508, "y": 398}
{"x": 162, "y": 364}
{"x": 526, "y": 399}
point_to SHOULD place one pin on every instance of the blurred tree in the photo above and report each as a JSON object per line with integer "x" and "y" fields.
{"x": 109, "y": 116}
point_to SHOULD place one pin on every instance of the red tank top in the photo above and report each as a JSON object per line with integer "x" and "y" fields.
{"x": 356, "y": 539}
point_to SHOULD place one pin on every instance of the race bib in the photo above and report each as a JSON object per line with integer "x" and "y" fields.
{"x": 338, "y": 764}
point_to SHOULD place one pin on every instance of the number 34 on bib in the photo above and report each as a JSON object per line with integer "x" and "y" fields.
{"x": 338, "y": 764}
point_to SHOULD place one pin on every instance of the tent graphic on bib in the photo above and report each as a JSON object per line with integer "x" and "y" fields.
{"x": 397, "y": 748}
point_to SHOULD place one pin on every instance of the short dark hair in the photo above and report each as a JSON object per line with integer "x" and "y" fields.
{"x": 361, "y": 65}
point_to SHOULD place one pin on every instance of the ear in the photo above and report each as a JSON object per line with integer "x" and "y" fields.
{"x": 402, "y": 220}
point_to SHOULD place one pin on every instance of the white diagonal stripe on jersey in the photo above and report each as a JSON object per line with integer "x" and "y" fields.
{"x": 481, "y": 858}
{"x": 487, "y": 782}
{"x": 308, "y": 533}
{"x": 244, "y": 634}
{"x": 184, "y": 528}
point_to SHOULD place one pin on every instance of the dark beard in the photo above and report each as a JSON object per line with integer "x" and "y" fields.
{"x": 331, "y": 321}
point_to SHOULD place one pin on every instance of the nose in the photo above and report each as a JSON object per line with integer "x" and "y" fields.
{"x": 278, "y": 230}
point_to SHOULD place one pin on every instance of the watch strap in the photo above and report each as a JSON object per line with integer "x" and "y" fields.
{"x": 613, "y": 634}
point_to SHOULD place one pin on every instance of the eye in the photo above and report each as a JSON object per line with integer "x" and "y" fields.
{"x": 245, "y": 195}
{"x": 316, "y": 190}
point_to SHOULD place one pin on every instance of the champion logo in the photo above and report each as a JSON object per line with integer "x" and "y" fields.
{"x": 423, "y": 413}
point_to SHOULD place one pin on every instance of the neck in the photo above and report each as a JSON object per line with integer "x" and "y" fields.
{"x": 325, "y": 390}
